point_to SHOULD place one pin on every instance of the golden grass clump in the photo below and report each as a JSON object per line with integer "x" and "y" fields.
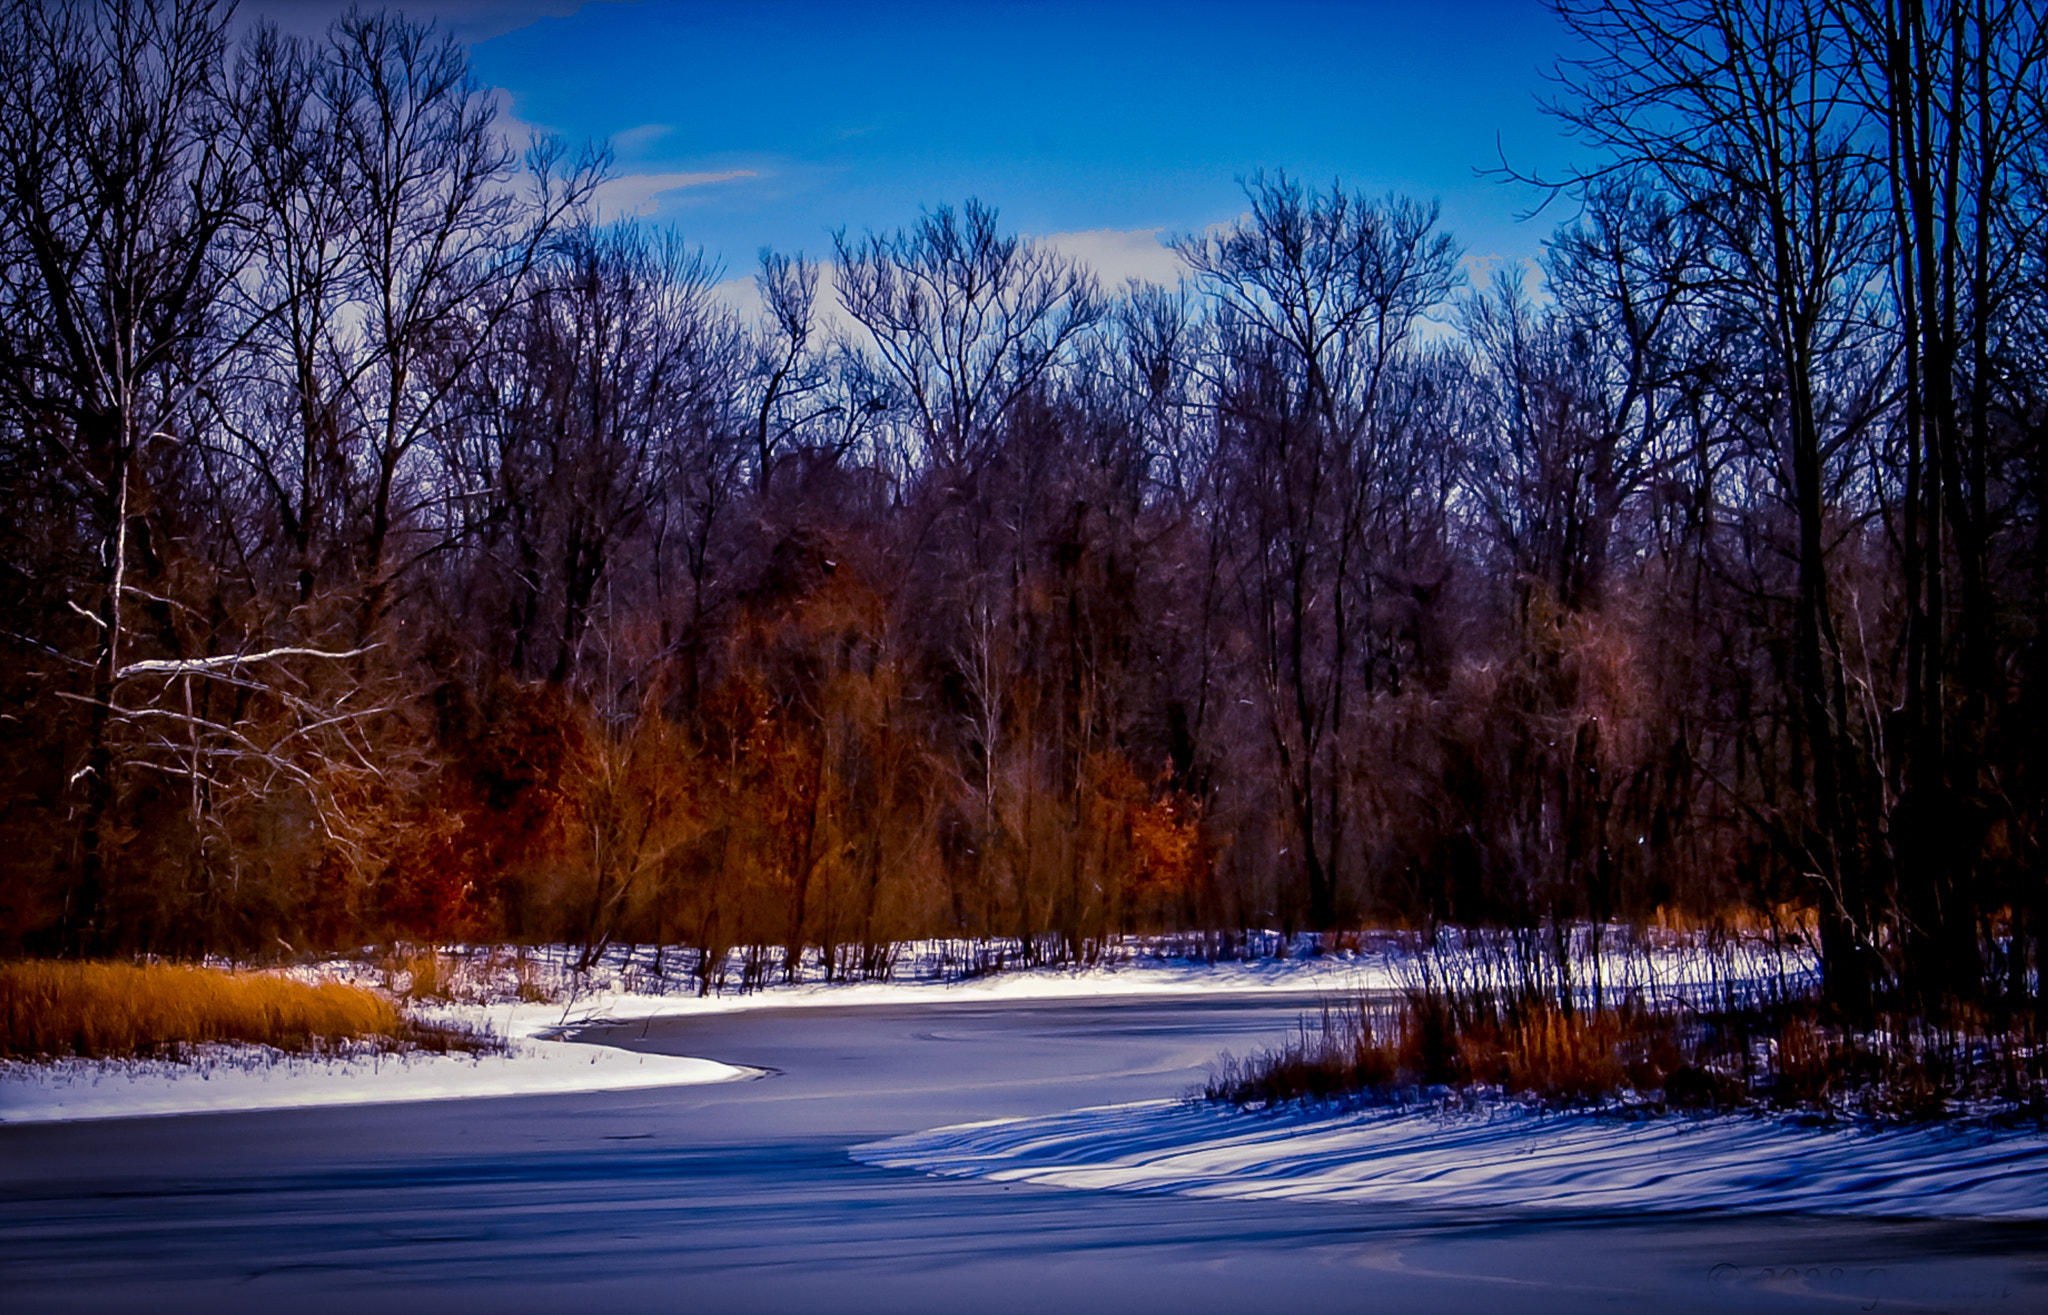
{"x": 102, "y": 1010}
{"x": 1574, "y": 1056}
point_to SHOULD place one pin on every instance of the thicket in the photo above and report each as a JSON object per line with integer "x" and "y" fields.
{"x": 389, "y": 549}
{"x": 1733, "y": 1024}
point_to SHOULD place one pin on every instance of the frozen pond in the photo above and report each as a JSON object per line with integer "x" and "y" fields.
{"x": 743, "y": 1196}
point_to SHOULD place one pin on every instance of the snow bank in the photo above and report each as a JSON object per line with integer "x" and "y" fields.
{"x": 1510, "y": 1158}
{"x": 241, "y": 1078}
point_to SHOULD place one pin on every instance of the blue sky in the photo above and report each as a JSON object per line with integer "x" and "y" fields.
{"x": 1109, "y": 125}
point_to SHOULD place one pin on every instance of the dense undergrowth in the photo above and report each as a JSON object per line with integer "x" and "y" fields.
{"x": 501, "y": 974}
{"x": 1734, "y": 1017}
{"x": 1790, "y": 1054}
{"x": 54, "y": 1009}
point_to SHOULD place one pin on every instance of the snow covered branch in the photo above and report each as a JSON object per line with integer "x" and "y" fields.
{"x": 226, "y": 661}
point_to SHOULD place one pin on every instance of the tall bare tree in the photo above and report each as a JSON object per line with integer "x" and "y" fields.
{"x": 1955, "y": 86}
{"x": 1319, "y": 295}
{"x": 439, "y": 230}
{"x": 1741, "y": 110}
{"x": 614, "y": 364}
{"x": 122, "y": 177}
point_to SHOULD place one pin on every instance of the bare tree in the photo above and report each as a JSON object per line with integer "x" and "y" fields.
{"x": 121, "y": 178}
{"x": 965, "y": 319}
{"x": 1318, "y": 296}
{"x": 1336, "y": 279}
{"x": 282, "y": 418}
{"x": 1955, "y": 86}
{"x": 593, "y": 388}
{"x": 1742, "y": 112}
{"x": 438, "y": 237}
{"x": 792, "y": 378}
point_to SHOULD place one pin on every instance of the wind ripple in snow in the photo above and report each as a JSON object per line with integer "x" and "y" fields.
{"x": 1511, "y": 1158}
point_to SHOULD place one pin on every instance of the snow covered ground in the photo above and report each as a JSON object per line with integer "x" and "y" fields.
{"x": 537, "y": 1061}
{"x": 1509, "y": 1158}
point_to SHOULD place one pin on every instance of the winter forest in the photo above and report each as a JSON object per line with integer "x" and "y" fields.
{"x": 393, "y": 547}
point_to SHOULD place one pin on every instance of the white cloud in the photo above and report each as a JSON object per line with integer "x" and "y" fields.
{"x": 633, "y": 139}
{"x": 515, "y": 130}
{"x": 1119, "y": 254}
{"x": 1480, "y": 270}
{"x": 1115, "y": 255}
{"x": 639, "y": 195}
{"x": 744, "y": 296}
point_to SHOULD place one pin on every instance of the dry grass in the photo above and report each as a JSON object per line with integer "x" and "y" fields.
{"x": 1379, "y": 1049}
{"x": 1789, "y": 1056}
{"x": 1777, "y": 921}
{"x": 102, "y": 1010}
{"x": 420, "y": 972}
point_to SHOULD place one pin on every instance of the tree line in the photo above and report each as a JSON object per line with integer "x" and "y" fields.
{"x": 392, "y": 548}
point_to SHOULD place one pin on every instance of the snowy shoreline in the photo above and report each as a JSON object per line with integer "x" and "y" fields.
{"x": 540, "y": 1061}
{"x": 1498, "y": 1156}
{"x": 246, "y": 1079}
{"x": 1505, "y": 1157}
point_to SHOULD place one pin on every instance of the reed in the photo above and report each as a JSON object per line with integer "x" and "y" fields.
{"x": 1790, "y": 1054}
{"x": 106, "y": 1010}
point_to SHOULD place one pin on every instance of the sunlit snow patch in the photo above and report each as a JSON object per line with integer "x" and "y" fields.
{"x": 1508, "y": 1159}
{"x": 242, "y": 1078}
